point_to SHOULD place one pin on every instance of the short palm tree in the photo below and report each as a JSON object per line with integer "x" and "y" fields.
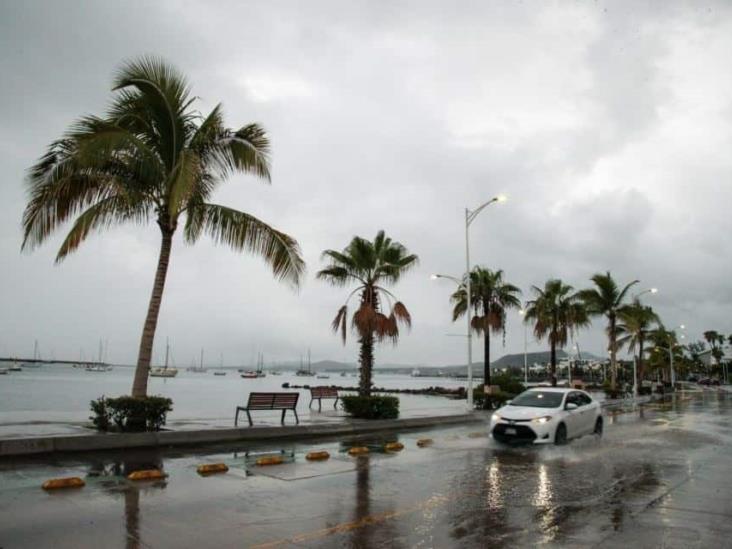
{"x": 715, "y": 340}
{"x": 370, "y": 266}
{"x": 557, "y": 312}
{"x": 607, "y": 299}
{"x": 636, "y": 321}
{"x": 664, "y": 342}
{"x": 151, "y": 156}
{"x": 490, "y": 298}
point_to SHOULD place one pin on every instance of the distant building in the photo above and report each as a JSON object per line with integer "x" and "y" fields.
{"x": 708, "y": 360}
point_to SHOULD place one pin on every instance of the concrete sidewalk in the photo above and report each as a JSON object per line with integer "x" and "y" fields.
{"x": 116, "y": 441}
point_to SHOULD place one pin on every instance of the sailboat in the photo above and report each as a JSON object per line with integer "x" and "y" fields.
{"x": 259, "y": 372}
{"x": 164, "y": 371}
{"x": 15, "y": 367}
{"x": 221, "y": 366}
{"x": 100, "y": 366}
{"x": 200, "y": 369}
{"x": 302, "y": 372}
{"x": 36, "y": 357}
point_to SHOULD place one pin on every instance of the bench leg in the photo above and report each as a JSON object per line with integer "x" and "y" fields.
{"x": 320, "y": 404}
{"x": 236, "y": 416}
{"x": 311, "y": 403}
{"x": 283, "y": 417}
{"x": 335, "y": 404}
{"x": 249, "y": 417}
{"x": 297, "y": 419}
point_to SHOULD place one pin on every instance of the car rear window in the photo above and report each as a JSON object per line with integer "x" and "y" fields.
{"x": 539, "y": 399}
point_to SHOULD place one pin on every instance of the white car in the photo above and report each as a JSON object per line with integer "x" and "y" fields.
{"x": 545, "y": 415}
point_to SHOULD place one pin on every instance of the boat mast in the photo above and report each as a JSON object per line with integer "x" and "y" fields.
{"x": 201, "y": 358}
{"x": 308, "y": 359}
{"x": 167, "y": 352}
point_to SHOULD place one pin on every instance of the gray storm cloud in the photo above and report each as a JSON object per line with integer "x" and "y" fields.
{"x": 607, "y": 123}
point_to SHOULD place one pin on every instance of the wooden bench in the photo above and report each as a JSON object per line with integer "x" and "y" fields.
{"x": 269, "y": 401}
{"x": 319, "y": 393}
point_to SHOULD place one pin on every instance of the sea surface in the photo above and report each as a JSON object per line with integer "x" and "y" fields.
{"x": 61, "y": 393}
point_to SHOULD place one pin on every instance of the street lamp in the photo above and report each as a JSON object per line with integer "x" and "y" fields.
{"x": 648, "y": 291}
{"x": 470, "y": 216}
{"x": 522, "y": 312}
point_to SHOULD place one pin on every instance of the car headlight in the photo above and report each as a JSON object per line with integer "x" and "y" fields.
{"x": 543, "y": 419}
{"x": 496, "y": 417}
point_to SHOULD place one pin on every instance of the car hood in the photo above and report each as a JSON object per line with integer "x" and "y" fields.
{"x": 525, "y": 412}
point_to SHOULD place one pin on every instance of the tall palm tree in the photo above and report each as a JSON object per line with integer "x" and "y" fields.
{"x": 490, "y": 297}
{"x": 371, "y": 266}
{"x": 152, "y": 156}
{"x": 557, "y": 312}
{"x": 636, "y": 321}
{"x": 607, "y": 299}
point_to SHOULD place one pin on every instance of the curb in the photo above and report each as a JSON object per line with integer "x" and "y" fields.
{"x": 119, "y": 441}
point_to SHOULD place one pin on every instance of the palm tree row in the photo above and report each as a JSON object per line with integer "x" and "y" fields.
{"x": 557, "y": 311}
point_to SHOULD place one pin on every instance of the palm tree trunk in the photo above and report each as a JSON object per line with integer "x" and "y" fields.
{"x": 640, "y": 362}
{"x": 139, "y": 385}
{"x": 553, "y": 367}
{"x": 613, "y": 359}
{"x": 366, "y": 357}
{"x": 487, "y": 358}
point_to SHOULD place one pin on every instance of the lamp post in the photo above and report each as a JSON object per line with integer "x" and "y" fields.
{"x": 636, "y": 297}
{"x": 469, "y": 218}
{"x": 522, "y": 312}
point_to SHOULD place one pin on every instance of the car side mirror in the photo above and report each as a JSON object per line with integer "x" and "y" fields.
{"x": 507, "y": 402}
{"x": 571, "y": 406}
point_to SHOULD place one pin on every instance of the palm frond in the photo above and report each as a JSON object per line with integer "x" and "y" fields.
{"x": 242, "y": 231}
{"x": 339, "y": 322}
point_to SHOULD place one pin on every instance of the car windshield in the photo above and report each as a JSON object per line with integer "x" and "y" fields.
{"x": 538, "y": 399}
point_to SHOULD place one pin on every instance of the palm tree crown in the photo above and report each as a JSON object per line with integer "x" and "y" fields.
{"x": 607, "y": 299}
{"x": 636, "y": 321}
{"x": 557, "y": 312}
{"x": 490, "y": 298}
{"x": 152, "y": 156}
{"x": 370, "y": 266}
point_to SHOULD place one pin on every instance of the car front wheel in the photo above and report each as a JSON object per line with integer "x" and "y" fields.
{"x": 560, "y": 437}
{"x": 598, "y": 427}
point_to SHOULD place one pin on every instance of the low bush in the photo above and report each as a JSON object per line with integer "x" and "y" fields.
{"x": 508, "y": 383}
{"x": 371, "y": 407}
{"x": 482, "y": 401}
{"x": 129, "y": 414}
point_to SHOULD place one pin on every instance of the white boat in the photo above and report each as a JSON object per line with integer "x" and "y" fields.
{"x": 416, "y": 372}
{"x": 197, "y": 369}
{"x": 219, "y": 373}
{"x": 259, "y": 372}
{"x": 3, "y": 371}
{"x": 302, "y": 372}
{"x": 98, "y": 368}
{"x": 322, "y": 376}
{"x": 164, "y": 371}
{"x": 15, "y": 367}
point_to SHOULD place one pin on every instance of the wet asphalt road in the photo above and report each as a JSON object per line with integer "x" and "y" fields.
{"x": 660, "y": 477}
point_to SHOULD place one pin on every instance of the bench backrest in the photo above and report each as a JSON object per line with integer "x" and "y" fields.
{"x": 323, "y": 392}
{"x": 272, "y": 401}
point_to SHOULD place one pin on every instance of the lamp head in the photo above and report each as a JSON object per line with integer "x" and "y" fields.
{"x": 501, "y": 198}
{"x": 434, "y": 276}
{"x": 654, "y": 290}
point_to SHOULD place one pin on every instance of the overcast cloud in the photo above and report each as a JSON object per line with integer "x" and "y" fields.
{"x": 608, "y": 124}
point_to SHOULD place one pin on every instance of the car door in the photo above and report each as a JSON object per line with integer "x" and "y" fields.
{"x": 572, "y": 418}
{"x": 587, "y": 413}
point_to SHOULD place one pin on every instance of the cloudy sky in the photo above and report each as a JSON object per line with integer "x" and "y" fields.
{"x": 608, "y": 124}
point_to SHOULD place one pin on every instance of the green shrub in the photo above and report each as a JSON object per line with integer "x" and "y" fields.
{"x": 508, "y": 383}
{"x": 130, "y": 414}
{"x": 482, "y": 401}
{"x": 372, "y": 407}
